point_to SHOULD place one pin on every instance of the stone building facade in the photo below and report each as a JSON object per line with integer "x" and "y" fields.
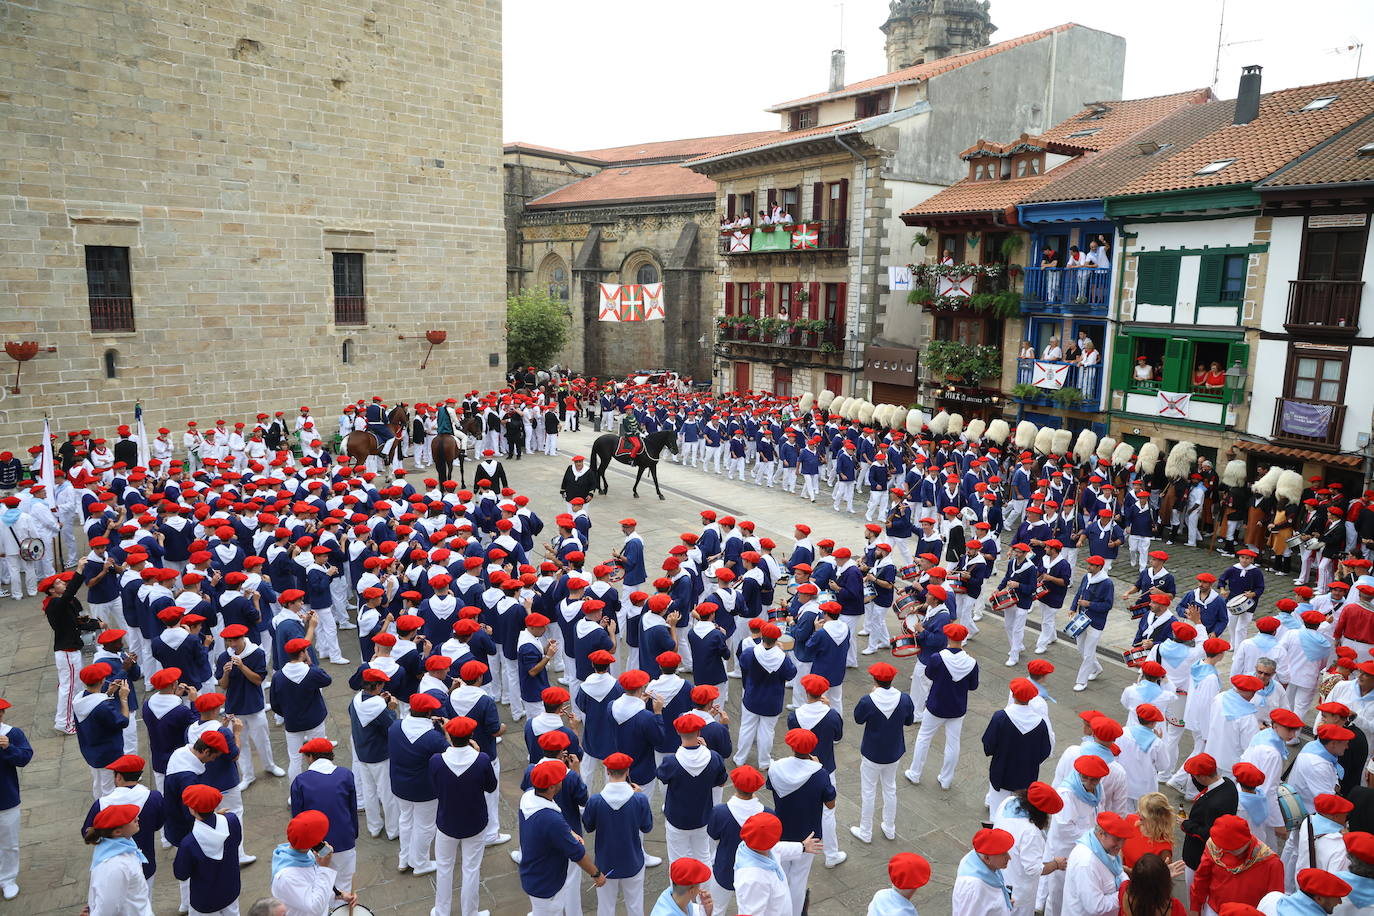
{"x": 226, "y": 211}
{"x": 917, "y": 31}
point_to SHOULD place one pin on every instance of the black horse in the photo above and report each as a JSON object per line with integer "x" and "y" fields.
{"x": 603, "y": 451}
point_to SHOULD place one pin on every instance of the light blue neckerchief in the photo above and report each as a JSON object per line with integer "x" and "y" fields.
{"x": 1316, "y": 747}
{"x": 1265, "y": 641}
{"x": 1269, "y": 690}
{"x": 1202, "y": 670}
{"x": 1298, "y": 904}
{"x": 1255, "y": 808}
{"x": 1174, "y": 652}
{"x": 1315, "y": 644}
{"x": 1322, "y": 825}
{"x": 1361, "y": 889}
{"x": 1144, "y": 736}
{"x": 972, "y": 866}
{"x": 1075, "y": 784}
{"x": 10, "y": 516}
{"x": 1094, "y": 845}
{"x": 116, "y": 846}
{"x": 287, "y": 856}
{"x": 1235, "y": 706}
{"x": 1016, "y": 809}
{"x": 1148, "y": 691}
{"x": 1043, "y": 692}
{"x": 1270, "y": 737}
{"x": 1289, "y": 620}
{"x": 1090, "y": 746}
{"x": 748, "y": 858}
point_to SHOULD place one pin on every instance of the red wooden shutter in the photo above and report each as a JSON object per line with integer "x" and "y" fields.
{"x": 772, "y": 199}
{"x": 813, "y": 305}
{"x": 769, "y": 295}
{"x": 730, "y": 292}
{"x": 817, "y": 199}
{"x": 730, "y": 206}
{"x": 842, "y": 290}
{"x": 844, "y": 199}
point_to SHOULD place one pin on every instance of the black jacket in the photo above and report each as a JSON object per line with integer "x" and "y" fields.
{"x": 1221, "y": 799}
{"x": 126, "y": 450}
{"x": 573, "y": 486}
{"x": 67, "y": 620}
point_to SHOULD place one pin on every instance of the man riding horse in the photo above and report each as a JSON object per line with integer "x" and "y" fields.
{"x": 376, "y": 422}
{"x": 630, "y": 433}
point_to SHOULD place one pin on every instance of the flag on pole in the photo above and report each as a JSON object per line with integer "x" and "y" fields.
{"x": 142, "y": 435}
{"x": 45, "y": 472}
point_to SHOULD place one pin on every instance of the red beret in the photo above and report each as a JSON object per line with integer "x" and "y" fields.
{"x": 1200, "y": 765}
{"x": 801, "y": 740}
{"x": 1230, "y": 832}
{"x": 907, "y": 871}
{"x": 634, "y": 679}
{"x": 307, "y": 830}
{"x": 993, "y": 841}
{"x": 1091, "y": 766}
{"x": 1043, "y": 796}
{"x": 746, "y": 779}
{"x": 129, "y": 763}
{"x": 556, "y": 740}
{"x": 686, "y": 871}
{"x": 882, "y": 671}
{"x": 1114, "y": 824}
{"x": 1285, "y": 717}
{"x": 761, "y": 831}
{"x": 1148, "y": 712}
{"x": 115, "y": 816}
{"x": 548, "y": 773}
{"x": 423, "y": 702}
{"x": 1317, "y": 883}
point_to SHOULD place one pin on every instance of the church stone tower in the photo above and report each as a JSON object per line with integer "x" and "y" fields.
{"x": 919, "y": 31}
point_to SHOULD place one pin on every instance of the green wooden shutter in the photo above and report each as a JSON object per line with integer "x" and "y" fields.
{"x": 1166, "y": 282}
{"x": 1146, "y": 279}
{"x": 1209, "y": 278}
{"x": 1237, "y": 351}
{"x": 1123, "y": 354}
{"x": 1177, "y": 371}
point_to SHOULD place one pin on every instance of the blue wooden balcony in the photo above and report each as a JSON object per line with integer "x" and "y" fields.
{"x": 1081, "y": 385}
{"x": 1069, "y": 290}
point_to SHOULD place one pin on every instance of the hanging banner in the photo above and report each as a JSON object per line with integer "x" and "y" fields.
{"x": 1050, "y": 375}
{"x": 631, "y": 302}
{"x": 899, "y": 279}
{"x": 609, "y": 309}
{"x": 1172, "y": 404}
{"x": 740, "y": 240}
{"x": 953, "y": 285}
{"x": 1311, "y": 421}
{"x": 653, "y": 301}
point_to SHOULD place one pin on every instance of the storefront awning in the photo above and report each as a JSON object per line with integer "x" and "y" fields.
{"x": 1301, "y": 454}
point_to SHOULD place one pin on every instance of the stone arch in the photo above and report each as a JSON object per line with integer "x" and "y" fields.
{"x": 641, "y": 266}
{"x": 554, "y": 277}
{"x": 111, "y": 363}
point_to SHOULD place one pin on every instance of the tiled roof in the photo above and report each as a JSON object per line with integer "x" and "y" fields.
{"x": 922, "y": 72}
{"x": 672, "y": 149}
{"x": 776, "y": 137}
{"x": 980, "y": 196}
{"x": 1278, "y": 134}
{"x": 1337, "y": 161}
{"x": 1112, "y": 122}
{"x": 1103, "y": 174}
{"x": 536, "y": 148}
{"x": 627, "y": 183}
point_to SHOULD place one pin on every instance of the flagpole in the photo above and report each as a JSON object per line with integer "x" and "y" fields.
{"x": 49, "y": 481}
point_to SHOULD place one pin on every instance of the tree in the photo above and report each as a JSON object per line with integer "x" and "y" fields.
{"x": 536, "y": 328}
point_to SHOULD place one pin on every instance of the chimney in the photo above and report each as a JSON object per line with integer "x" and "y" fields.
{"x": 836, "y": 71}
{"x": 1248, "y": 98}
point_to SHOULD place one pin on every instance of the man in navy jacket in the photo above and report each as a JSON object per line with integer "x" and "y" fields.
{"x": 459, "y": 773}
{"x": 297, "y": 696}
{"x": 884, "y": 713}
{"x": 1095, "y": 596}
{"x": 639, "y": 730}
{"x": 411, "y": 743}
{"x": 547, "y": 845}
{"x": 101, "y": 713}
{"x": 766, "y": 671}
{"x": 953, "y": 675}
{"x": 15, "y": 753}
{"x": 689, "y": 775}
{"x": 370, "y": 715}
{"x": 324, "y": 786}
{"x": 620, "y": 815}
{"x": 802, "y": 792}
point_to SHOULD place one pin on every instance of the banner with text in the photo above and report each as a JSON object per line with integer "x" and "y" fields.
{"x": 1311, "y": 421}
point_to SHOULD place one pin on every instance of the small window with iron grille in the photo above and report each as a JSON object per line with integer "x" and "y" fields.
{"x": 109, "y": 289}
{"x": 350, "y": 302}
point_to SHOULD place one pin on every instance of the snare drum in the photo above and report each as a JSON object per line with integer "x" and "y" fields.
{"x": 909, "y": 572}
{"x": 784, "y": 580}
{"x": 1140, "y": 608}
{"x": 1077, "y": 625}
{"x": 777, "y": 615}
{"x": 786, "y": 642}
{"x": 1041, "y": 592}
{"x": 906, "y": 605}
{"x": 1006, "y": 598}
{"x": 905, "y": 646}
{"x": 617, "y": 574}
{"x": 823, "y": 596}
{"x": 1295, "y": 542}
{"x": 958, "y": 587}
{"x": 870, "y": 592}
{"x": 1240, "y": 604}
{"x": 1135, "y": 656}
{"x": 1290, "y": 806}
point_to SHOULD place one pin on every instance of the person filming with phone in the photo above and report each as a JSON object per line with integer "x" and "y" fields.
{"x": 303, "y": 874}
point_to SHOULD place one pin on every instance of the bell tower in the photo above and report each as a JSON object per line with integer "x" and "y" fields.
{"x": 921, "y": 31}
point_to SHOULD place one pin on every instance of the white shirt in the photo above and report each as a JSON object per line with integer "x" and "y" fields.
{"x": 759, "y": 892}
{"x": 1227, "y": 738}
{"x": 1089, "y": 887}
{"x": 972, "y": 897}
{"x": 1022, "y": 873}
{"x": 305, "y": 891}
{"x": 118, "y": 888}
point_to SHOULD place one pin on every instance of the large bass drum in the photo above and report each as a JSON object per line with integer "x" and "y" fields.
{"x": 32, "y": 549}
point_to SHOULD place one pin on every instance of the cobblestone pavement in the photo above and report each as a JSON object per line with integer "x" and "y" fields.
{"x": 936, "y": 823}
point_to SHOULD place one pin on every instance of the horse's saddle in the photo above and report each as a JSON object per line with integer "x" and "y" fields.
{"x": 381, "y": 431}
{"x": 628, "y": 447}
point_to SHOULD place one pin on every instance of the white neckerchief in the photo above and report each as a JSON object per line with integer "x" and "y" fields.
{"x": 174, "y": 636}
{"x": 531, "y": 804}
{"x": 459, "y": 759}
{"x": 584, "y": 627}
{"x": 124, "y": 795}
{"x": 959, "y": 664}
{"x": 1097, "y": 577}
{"x": 650, "y": 619}
{"x": 693, "y": 759}
{"x": 616, "y": 794}
{"x": 323, "y": 766}
{"x": 429, "y": 682}
{"x": 414, "y": 727}
{"x": 1023, "y": 717}
{"x": 464, "y": 697}
{"x": 770, "y": 658}
{"x": 808, "y": 714}
{"x": 545, "y": 722}
{"x": 625, "y": 707}
{"x": 184, "y": 760}
{"x": 295, "y": 672}
{"x": 385, "y": 664}
{"x": 666, "y": 687}
{"x": 367, "y": 708}
{"x": 85, "y": 704}
{"x": 702, "y": 628}
{"x": 597, "y": 685}
{"x": 886, "y": 699}
{"x": 837, "y": 630}
{"x": 788, "y": 774}
{"x": 741, "y": 809}
{"x": 211, "y": 839}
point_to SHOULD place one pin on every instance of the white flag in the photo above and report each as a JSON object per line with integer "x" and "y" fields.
{"x": 142, "y": 434}
{"x": 45, "y": 472}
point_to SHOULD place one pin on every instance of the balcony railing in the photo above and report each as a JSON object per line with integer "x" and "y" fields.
{"x": 111, "y": 313}
{"x": 1309, "y": 423}
{"x": 812, "y": 235}
{"x": 350, "y": 310}
{"x": 1086, "y": 381}
{"x": 1329, "y": 307}
{"x": 782, "y": 337}
{"x": 1072, "y": 289}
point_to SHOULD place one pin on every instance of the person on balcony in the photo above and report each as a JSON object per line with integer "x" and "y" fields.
{"x": 764, "y": 218}
{"x": 1097, "y": 253}
{"x": 1071, "y": 352}
{"x": 1053, "y": 351}
{"x": 1049, "y": 259}
{"x": 1090, "y": 356}
{"x": 1199, "y": 377}
{"x": 781, "y": 217}
{"x": 1027, "y": 350}
{"x": 1143, "y": 371}
{"x": 1216, "y": 378}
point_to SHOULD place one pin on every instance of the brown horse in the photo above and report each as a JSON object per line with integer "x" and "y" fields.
{"x": 362, "y": 444}
{"x": 446, "y": 448}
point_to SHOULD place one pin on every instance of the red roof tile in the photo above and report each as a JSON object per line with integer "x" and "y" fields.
{"x": 921, "y": 72}
{"x": 1121, "y": 119}
{"x": 626, "y": 183}
{"x": 672, "y": 149}
{"x": 779, "y": 137}
{"x": 1337, "y": 161}
{"x": 980, "y": 196}
{"x": 1280, "y": 133}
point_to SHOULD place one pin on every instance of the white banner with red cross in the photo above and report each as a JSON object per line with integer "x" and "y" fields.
{"x": 740, "y": 240}
{"x": 631, "y": 302}
{"x": 953, "y": 285}
{"x": 1173, "y": 405}
{"x": 1050, "y": 375}
{"x": 609, "y": 309}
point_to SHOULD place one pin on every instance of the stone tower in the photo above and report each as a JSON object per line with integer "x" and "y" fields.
{"x": 919, "y": 31}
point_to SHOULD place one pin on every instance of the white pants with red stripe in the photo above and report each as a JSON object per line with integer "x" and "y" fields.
{"x": 68, "y": 664}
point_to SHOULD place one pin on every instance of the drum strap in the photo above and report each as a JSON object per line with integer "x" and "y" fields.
{"x": 1311, "y": 843}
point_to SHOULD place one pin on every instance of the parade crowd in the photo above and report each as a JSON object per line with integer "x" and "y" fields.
{"x": 226, "y": 581}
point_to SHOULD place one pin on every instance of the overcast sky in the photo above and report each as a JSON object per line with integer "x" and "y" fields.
{"x": 611, "y": 72}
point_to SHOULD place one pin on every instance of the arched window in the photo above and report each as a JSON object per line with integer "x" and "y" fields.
{"x": 552, "y": 277}
{"x": 558, "y": 283}
{"x": 647, "y": 273}
{"x": 346, "y": 352}
{"x": 112, "y": 364}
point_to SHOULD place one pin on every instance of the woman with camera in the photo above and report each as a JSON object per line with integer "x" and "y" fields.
{"x": 303, "y": 867}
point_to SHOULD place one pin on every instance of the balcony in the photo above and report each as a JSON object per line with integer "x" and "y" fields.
{"x": 350, "y": 310}
{"x": 813, "y": 235}
{"x": 1308, "y": 423}
{"x": 1071, "y": 290}
{"x": 774, "y": 337}
{"x": 1329, "y": 308}
{"x": 1058, "y": 384}
{"x": 111, "y": 313}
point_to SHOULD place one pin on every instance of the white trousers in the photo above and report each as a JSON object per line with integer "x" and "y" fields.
{"x": 875, "y": 619}
{"x": 1048, "y": 633}
{"x": 1138, "y": 548}
{"x": 966, "y": 605}
{"x": 417, "y": 832}
{"x": 953, "y": 729}
{"x": 551, "y": 444}
{"x": 734, "y": 468}
{"x": 920, "y": 689}
{"x": 797, "y": 871}
{"x": 346, "y": 864}
{"x": 764, "y": 472}
{"x": 1014, "y": 622}
{"x": 254, "y": 738}
{"x": 102, "y": 781}
{"x": 871, "y": 775}
{"x": 492, "y": 798}
{"x": 844, "y": 493}
{"x": 111, "y": 612}
{"x": 294, "y": 740}
{"x": 755, "y": 733}
{"x": 811, "y": 486}
{"x": 446, "y": 855}
{"x": 631, "y": 890}
{"x": 374, "y": 792}
{"x": 877, "y": 506}
{"x": 327, "y": 633}
{"x": 68, "y": 664}
{"x": 9, "y": 845}
{"x": 1087, "y": 651}
{"x": 789, "y": 479}
{"x": 691, "y": 843}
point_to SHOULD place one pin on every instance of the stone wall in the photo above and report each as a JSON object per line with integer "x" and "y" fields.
{"x": 233, "y": 149}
